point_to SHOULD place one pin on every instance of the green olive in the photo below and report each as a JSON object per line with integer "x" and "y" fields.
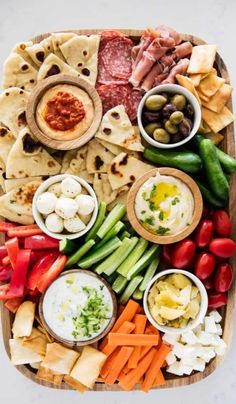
{"x": 176, "y": 117}
{"x": 155, "y": 102}
{"x": 150, "y": 127}
{"x": 172, "y": 129}
{"x": 179, "y": 101}
{"x": 160, "y": 135}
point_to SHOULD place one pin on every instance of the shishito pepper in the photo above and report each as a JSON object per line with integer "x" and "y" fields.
{"x": 41, "y": 266}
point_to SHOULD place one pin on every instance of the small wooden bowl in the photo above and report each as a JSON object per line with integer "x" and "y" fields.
{"x": 40, "y": 90}
{"x": 197, "y": 213}
{"x": 74, "y": 344}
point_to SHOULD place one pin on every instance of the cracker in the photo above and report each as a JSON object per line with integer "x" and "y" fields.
{"x": 202, "y": 59}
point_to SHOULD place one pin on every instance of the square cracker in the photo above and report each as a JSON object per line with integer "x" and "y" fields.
{"x": 217, "y": 121}
{"x": 59, "y": 359}
{"x": 211, "y": 84}
{"x": 202, "y": 59}
{"x": 49, "y": 376}
{"x": 219, "y": 99}
{"x": 186, "y": 82}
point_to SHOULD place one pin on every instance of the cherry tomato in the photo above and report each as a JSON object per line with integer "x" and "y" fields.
{"x": 222, "y": 223}
{"x": 204, "y": 265}
{"x": 206, "y": 214}
{"x": 183, "y": 254}
{"x": 166, "y": 253}
{"x": 223, "y": 277}
{"x": 204, "y": 233}
{"x": 222, "y": 247}
{"x": 216, "y": 300}
{"x": 208, "y": 283}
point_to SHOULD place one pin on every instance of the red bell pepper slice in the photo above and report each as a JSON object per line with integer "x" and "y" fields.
{"x": 12, "y": 247}
{"x": 24, "y": 231}
{"x": 5, "y": 273}
{"x": 13, "y": 304}
{"x": 6, "y": 260}
{"x": 41, "y": 242}
{"x": 5, "y": 293}
{"x": 41, "y": 266}
{"x": 55, "y": 270}
{"x": 5, "y": 226}
{"x": 19, "y": 275}
{"x": 3, "y": 252}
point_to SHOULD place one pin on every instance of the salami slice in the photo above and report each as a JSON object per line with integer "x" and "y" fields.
{"x": 116, "y": 94}
{"x": 116, "y": 57}
{"x": 107, "y": 36}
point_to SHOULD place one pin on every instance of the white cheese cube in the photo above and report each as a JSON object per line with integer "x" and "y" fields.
{"x": 170, "y": 338}
{"x": 221, "y": 348}
{"x": 210, "y": 325}
{"x": 185, "y": 369}
{"x": 207, "y": 354}
{"x": 175, "y": 369}
{"x": 216, "y": 315}
{"x": 199, "y": 365}
{"x": 216, "y": 340}
{"x": 205, "y": 338}
{"x": 189, "y": 337}
{"x": 171, "y": 358}
{"x": 219, "y": 329}
{"x": 178, "y": 350}
{"x": 198, "y": 349}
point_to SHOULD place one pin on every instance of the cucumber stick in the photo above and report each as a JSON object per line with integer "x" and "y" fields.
{"x": 99, "y": 220}
{"x": 124, "y": 234}
{"x": 143, "y": 262}
{"x": 133, "y": 257}
{"x": 74, "y": 258}
{"x": 110, "y": 234}
{"x": 119, "y": 284}
{"x": 67, "y": 246}
{"x": 114, "y": 260}
{"x": 98, "y": 255}
{"x": 111, "y": 279}
{"x": 129, "y": 290}
{"x": 112, "y": 218}
{"x": 150, "y": 272}
{"x": 138, "y": 294}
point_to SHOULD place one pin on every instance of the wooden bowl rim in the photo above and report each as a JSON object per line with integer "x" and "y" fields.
{"x": 197, "y": 213}
{"x": 91, "y": 340}
{"x": 37, "y": 93}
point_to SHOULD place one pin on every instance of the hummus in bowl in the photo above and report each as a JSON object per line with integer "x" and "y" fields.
{"x": 65, "y": 112}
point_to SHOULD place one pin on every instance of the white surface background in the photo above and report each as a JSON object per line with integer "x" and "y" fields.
{"x": 213, "y": 20}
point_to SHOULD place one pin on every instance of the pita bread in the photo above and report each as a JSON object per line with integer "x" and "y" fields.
{"x": 18, "y": 73}
{"x": 81, "y": 53}
{"x": 114, "y": 149}
{"x": 16, "y": 205}
{"x": 37, "y": 341}
{"x": 116, "y": 128}
{"x": 16, "y": 182}
{"x": 24, "y": 318}
{"x": 98, "y": 158}
{"x": 54, "y": 65}
{"x": 210, "y": 84}
{"x": 49, "y": 376}
{"x": 6, "y": 142}
{"x": 219, "y": 99}
{"x": 59, "y": 359}
{"x": 12, "y": 109}
{"x": 217, "y": 121}
{"x": 77, "y": 165}
{"x": 103, "y": 190}
{"x": 28, "y": 158}
{"x": 74, "y": 384}
{"x": 68, "y": 156}
{"x": 39, "y": 51}
{"x": 58, "y": 38}
{"x": 20, "y": 48}
{"x": 35, "y": 365}
{"x": 202, "y": 59}
{"x": 21, "y": 355}
{"x": 2, "y": 171}
{"x": 88, "y": 366}
{"x": 125, "y": 169}
{"x": 121, "y": 198}
{"x": 186, "y": 82}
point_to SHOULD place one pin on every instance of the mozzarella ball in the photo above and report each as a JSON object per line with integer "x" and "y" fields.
{"x": 54, "y": 223}
{"x": 70, "y": 187}
{"x": 74, "y": 225}
{"x": 46, "y": 203}
{"x": 85, "y": 203}
{"x": 66, "y": 208}
{"x": 55, "y": 189}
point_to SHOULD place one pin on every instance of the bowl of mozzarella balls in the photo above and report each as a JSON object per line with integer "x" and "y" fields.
{"x": 65, "y": 206}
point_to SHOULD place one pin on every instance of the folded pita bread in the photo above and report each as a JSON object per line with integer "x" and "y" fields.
{"x": 6, "y": 142}
{"x": 18, "y": 73}
{"x": 49, "y": 376}
{"x": 98, "y": 157}
{"x": 16, "y": 182}
{"x": 24, "y": 318}
{"x": 114, "y": 149}
{"x": 37, "y": 341}
{"x": 58, "y": 38}
{"x": 20, "y": 48}
{"x": 81, "y": 53}
{"x": 68, "y": 156}
{"x": 103, "y": 189}
{"x": 116, "y": 128}
{"x": 2, "y": 172}
{"x": 16, "y": 205}
{"x": 54, "y": 65}
{"x": 28, "y": 158}
{"x": 12, "y": 109}
{"x": 21, "y": 355}
{"x": 77, "y": 165}
{"x": 39, "y": 51}
{"x": 59, "y": 359}
{"x": 125, "y": 169}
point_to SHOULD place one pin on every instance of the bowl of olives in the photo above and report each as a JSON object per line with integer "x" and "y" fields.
{"x": 168, "y": 116}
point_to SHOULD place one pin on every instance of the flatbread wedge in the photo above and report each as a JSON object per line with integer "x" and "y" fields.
{"x": 98, "y": 157}
{"x": 18, "y": 73}
{"x": 20, "y": 48}
{"x": 16, "y": 182}
{"x": 58, "y": 38}
{"x": 77, "y": 165}
{"x": 59, "y": 359}
{"x": 21, "y": 355}
{"x": 28, "y": 158}
{"x": 39, "y": 51}
{"x": 6, "y": 142}
{"x": 12, "y": 109}
{"x": 54, "y": 65}
{"x": 202, "y": 59}
{"x": 103, "y": 189}
{"x": 24, "y": 318}
{"x": 37, "y": 341}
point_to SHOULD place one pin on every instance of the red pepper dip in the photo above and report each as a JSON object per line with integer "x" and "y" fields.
{"x": 64, "y": 111}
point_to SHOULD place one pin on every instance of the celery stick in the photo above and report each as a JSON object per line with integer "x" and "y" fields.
{"x": 100, "y": 218}
{"x": 129, "y": 290}
{"x": 119, "y": 284}
{"x": 134, "y": 256}
{"x": 111, "y": 278}
{"x": 113, "y": 217}
{"x": 114, "y": 260}
{"x": 98, "y": 255}
{"x": 150, "y": 272}
{"x": 143, "y": 262}
{"x": 74, "y": 258}
{"x": 124, "y": 234}
{"x": 110, "y": 234}
{"x": 138, "y": 294}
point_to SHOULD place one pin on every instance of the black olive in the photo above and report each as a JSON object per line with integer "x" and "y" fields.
{"x": 168, "y": 110}
{"x": 149, "y": 117}
{"x": 189, "y": 111}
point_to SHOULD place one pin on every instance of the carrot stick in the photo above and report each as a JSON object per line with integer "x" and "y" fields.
{"x": 126, "y": 328}
{"x": 126, "y": 368}
{"x": 150, "y": 329}
{"x": 118, "y": 364}
{"x": 129, "y": 380}
{"x": 155, "y": 367}
{"x": 107, "y": 365}
{"x": 159, "y": 380}
{"x": 121, "y": 376}
{"x": 127, "y": 314}
{"x": 118, "y": 339}
{"x": 140, "y": 324}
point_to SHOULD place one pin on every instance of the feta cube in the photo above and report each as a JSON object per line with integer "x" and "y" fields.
{"x": 199, "y": 365}
{"x": 219, "y": 329}
{"x": 170, "y": 338}
{"x": 217, "y": 317}
{"x": 178, "y": 350}
{"x": 208, "y": 353}
{"x": 210, "y": 325}
{"x": 171, "y": 358}
{"x": 205, "y": 338}
{"x": 175, "y": 369}
{"x": 185, "y": 369}
{"x": 221, "y": 348}
{"x": 189, "y": 337}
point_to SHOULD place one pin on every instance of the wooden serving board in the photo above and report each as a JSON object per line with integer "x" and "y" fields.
{"x": 227, "y": 312}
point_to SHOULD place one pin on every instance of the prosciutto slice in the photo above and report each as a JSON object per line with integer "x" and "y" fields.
{"x": 182, "y": 50}
{"x": 167, "y": 32}
{"x": 180, "y": 68}
{"x": 159, "y": 71}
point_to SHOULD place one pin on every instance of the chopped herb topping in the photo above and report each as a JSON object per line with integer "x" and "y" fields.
{"x": 152, "y": 206}
{"x": 143, "y": 212}
{"x": 175, "y": 201}
{"x": 144, "y": 195}
{"x": 161, "y": 215}
{"x": 162, "y": 230}
{"x": 182, "y": 214}
{"x": 166, "y": 195}
{"x": 149, "y": 220}
{"x": 69, "y": 281}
